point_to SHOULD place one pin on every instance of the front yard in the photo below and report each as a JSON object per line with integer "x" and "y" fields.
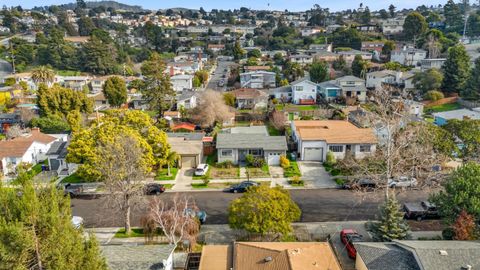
{"x": 162, "y": 174}
{"x": 73, "y": 178}
{"x": 223, "y": 185}
{"x": 293, "y": 107}
{"x": 219, "y": 171}
{"x": 258, "y": 172}
{"x": 292, "y": 170}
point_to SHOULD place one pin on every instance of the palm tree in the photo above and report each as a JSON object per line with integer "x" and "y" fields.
{"x": 43, "y": 75}
{"x": 172, "y": 158}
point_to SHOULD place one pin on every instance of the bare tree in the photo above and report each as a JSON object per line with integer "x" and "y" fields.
{"x": 211, "y": 108}
{"x": 278, "y": 120}
{"x": 176, "y": 218}
{"x": 26, "y": 115}
{"x": 122, "y": 169}
{"x": 14, "y": 132}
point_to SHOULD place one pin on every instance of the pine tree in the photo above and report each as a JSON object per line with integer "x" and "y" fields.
{"x": 456, "y": 70}
{"x": 392, "y": 226}
{"x": 472, "y": 91}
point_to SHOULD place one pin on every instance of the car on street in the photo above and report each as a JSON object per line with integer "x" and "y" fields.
{"x": 199, "y": 214}
{"x": 154, "y": 189}
{"x": 348, "y": 238}
{"x": 201, "y": 169}
{"x": 242, "y": 187}
{"x": 402, "y": 181}
{"x": 77, "y": 222}
{"x": 361, "y": 184}
{"x": 221, "y": 83}
{"x": 420, "y": 210}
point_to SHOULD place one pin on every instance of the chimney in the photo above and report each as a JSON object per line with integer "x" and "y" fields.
{"x": 35, "y": 130}
{"x": 172, "y": 71}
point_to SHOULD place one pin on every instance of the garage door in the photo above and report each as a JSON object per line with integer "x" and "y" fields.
{"x": 274, "y": 158}
{"x": 188, "y": 162}
{"x": 313, "y": 153}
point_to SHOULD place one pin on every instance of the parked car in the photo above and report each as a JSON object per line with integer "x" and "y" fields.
{"x": 154, "y": 189}
{"x": 363, "y": 183}
{"x": 77, "y": 222}
{"x": 242, "y": 187}
{"x": 421, "y": 210}
{"x": 402, "y": 181}
{"x": 200, "y": 214}
{"x": 201, "y": 169}
{"x": 349, "y": 237}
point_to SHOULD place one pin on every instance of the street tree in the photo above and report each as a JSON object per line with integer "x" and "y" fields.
{"x": 465, "y": 227}
{"x": 265, "y": 211}
{"x": 319, "y": 72}
{"x": 123, "y": 164}
{"x": 156, "y": 88}
{"x": 472, "y": 90}
{"x": 238, "y": 51}
{"x": 211, "y": 109}
{"x": 456, "y": 70}
{"x": 115, "y": 90}
{"x": 36, "y": 231}
{"x": 460, "y": 192}
{"x": 44, "y": 75}
{"x": 392, "y": 225}
{"x": 414, "y": 26}
{"x": 229, "y": 99}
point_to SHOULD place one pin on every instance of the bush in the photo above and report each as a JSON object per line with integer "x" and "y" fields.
{"x": 330, "y": 158}
{"x": 448, "y": 234}
{"x": 284, "y": 162}
{"x": 296, "y": 180}
{"x": 256, "y": 162}
{"x": 434, "y": 95}
{"x": 225, "y": 165}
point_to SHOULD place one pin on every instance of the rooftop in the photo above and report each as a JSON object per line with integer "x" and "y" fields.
{"x": 458, "y": 114}
{"x": 133, "y": 257}
{"x": 333, "y": 131}
{"x": 18, "y": 146}
{"x": 252, "y": 141}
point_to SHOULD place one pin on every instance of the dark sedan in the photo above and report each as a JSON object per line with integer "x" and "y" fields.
{"x": 242, "y": 187}
{"x": 154, "y": 189}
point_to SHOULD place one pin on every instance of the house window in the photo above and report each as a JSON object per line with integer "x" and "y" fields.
{"x": 298, "y": 88}
{"x": 365, "y": 148}
{"x": 336, "y": 148}
{"x": 227, "y": 153}
{"x": 359, "y": 93}
{"x": 255, "y": 152}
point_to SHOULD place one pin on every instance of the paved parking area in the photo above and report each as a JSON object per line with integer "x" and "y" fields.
{"x": 316, "y": 174}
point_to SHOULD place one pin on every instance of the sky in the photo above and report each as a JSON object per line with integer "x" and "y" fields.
{"x": 292, "y": 5}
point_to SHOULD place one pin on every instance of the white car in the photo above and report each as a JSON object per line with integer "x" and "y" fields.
{"x": 77, "y": 222}
{"x": 402, "y": 181}
{"x": 201, "y": 169}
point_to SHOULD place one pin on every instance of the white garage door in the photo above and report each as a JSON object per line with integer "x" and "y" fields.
{"x": 313, "y": 154}
{"x": 274, "y": 158}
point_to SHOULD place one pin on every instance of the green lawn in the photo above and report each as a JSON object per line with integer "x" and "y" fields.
{"x": 38, "y": 167}
{"x": 281, "y": 107}
{"x": 68, "y": 73}
{"x": 292, "y": 171}
{"x": 136, "y": 232}
{"x": 162, "y": 174}
{"x": 443, "y": 107}
{"x": 73, "y": 178}
{"x": 272, "y": 131}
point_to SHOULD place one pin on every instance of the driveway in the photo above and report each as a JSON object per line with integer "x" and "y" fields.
{"x": 316, "y": 175}
{"x": 184, "y": 179}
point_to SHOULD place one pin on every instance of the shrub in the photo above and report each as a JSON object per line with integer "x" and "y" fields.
{"x": 226, "y": 164}
{"x": 296, "y": 180}
{"x": 434, "y": 95}
{"x": 256, "y": 162}
{"x": 284, "y": 162}
{"x": 330, "y": 158}
{"x": 249, "y": 159}
{"x": 448, "y": 234}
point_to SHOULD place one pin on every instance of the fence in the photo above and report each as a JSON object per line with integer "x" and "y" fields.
{"x": 442, "y": 101}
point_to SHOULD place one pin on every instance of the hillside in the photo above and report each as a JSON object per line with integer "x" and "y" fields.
{"x": 106, "y": 4}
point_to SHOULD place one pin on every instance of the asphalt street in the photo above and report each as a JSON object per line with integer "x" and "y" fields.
{"x": 219, "y": 72}
{"x": 317, "y": 205}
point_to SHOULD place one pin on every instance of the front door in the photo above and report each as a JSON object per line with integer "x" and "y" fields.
{"x": 242, "y": 155}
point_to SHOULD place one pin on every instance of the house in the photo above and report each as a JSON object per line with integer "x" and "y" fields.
{"x": 186, "y": 99}
{"x": 57, "y": 162}
{"x": 315, "y": 138}
{"x": 377, "y": 79}
{"x": 133, "y": 257}
{"x": 321, "y": 47}
{"x": 369, "y": 46}
{"x": 216, "y": 47}
{"x": 304, "y": 91}
{"x": 393, "y": 26}
{"x": 350, "y": 87}
{"x": 309, "y": 31}
{"x": 441, "y": 118}
{"x": 282, "y": 94}
{"x": 367, "y": 28}
{"x": 326, "y": 56}
{"x": 28, "y": 148}
{"x": 181, "y": 82}
{"x": 349, "y": 55}
{"x": 269, "y": 255}
{"x": 301, "y": 59}
{"x": 418, "y": 255}
{"x": 77, "y": 83}
{"x": 257, "y": 79}
{"x": 188, "y": 147}
{"x": 413, "y": 107}
{"x": 332, "y": 28}
{"x": 9, "y": 119}
{"x": 101, "y": 102}
{"x": 181, "y": 127}
{"x": 430, "y": 63}
{"x": 256, "y": 68}
{"x": 235, "y": 147}
{"x": 248, "y": 98}
{"x": 408, "y": 56}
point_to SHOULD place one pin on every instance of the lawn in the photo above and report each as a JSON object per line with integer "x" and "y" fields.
{"x": 219, "y": 173}
{"x": 258, "y": 172}
{"x": 73, "y": 179}
{"x": 38, "y": 167}
{"x": 136, "y": 232}
{"x": 68, "y": 73}
{"x": 272, "y": 131}
{"x": 281, "y": 107}
{"x": 292, "y": 171}
{"x": 443, "y": 108}
{"x": 162, "y": 174}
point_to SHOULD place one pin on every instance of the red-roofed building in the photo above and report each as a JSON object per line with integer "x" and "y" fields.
{"x": 183, "y": 127}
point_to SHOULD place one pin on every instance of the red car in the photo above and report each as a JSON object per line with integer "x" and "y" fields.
{"x": 348, "y": 237}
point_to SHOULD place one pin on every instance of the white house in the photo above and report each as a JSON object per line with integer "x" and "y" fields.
{"x": 430, "y": 63}
{"x": 376, "y": 79}
{"x": 349, "y": 87}
{"x": 302, "y": 59}
{"x": 393, "y": 26}
{"x": 181, "y": 82}
{"x": 315, "y": 138}
{"x": 408, "y": 56}
{"x": 349, "y": 55}
{"x": 186, "y": 99}
{"x": 257, "y": 79}
{"x": 29, "y": 148}
{"x": 304, "y": 91}
{"x": 57, "y": 159}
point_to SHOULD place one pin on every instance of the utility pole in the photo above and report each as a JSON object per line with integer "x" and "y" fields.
{"x": 12, "y": 56}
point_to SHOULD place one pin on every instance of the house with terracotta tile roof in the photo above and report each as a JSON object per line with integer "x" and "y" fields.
{"x": 183, "y": 127}
{"x": 315, "y": 138}
{"x": 269, "y": 256}
{"x": 28, "y": 148}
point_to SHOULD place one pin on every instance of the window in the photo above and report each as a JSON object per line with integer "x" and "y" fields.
{"x": 359, "y": 93}
{"x": 227, "y": 153}
{"x": 298, "y": 88}
{"x": 336, "y": 148}
{"x": 365, "y": 148}
{"x": 255, "y": 152}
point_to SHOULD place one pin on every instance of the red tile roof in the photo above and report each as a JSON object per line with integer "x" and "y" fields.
{"x": 187, "y": 126}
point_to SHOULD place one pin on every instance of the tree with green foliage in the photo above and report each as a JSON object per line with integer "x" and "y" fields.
{"x": 196, "y": 83}
{"x": 99, "y": 54}
{"x": 428, "y": 80}
{"x": 472, "y": 89}
{"x": 255, "y": 53}
{"x": 36, "y": 231}
{"x": 85, "y": 26}
{"x": 456, "y": 70}
{"x": 468, "y": 132}
{"x": 387, "y": 49}
{"x": 359, "y": 66}
{"x": 60, "y": 101}
{"x": 238, "y": 51}
{"x": 319, "y": 72}
{"x": 460, "y": 192}
{"x": 44, "y": 75}
{"x": 115, "y": 90}
{"x": 414, "y": 26}
{"x": 229, "y": 99}
{"x": 391, "y": 10}
{"x": 433, "y": 95}
{"x": 252, "y": 61}
{"x": 265, "y": 211}
{"x": 293, "y": 71}
{"x": 453, "y": 16}
{"x": 202, "y": 75}
{"x": 391, "y": 226}
{"x": 156, "y": 88}
{"x": 51, "y": 124}
{"x": 347, "y": 37}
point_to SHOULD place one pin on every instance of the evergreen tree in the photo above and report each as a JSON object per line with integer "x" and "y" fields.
{"x": 453, "y": 16}
{"x": 319, "y": 72}
{"x": 391, "y": 10}
{"x": 472, "y": 91}
{"x": 456, "y": 70}
{"x": 99, "y": 54}
{"x": 392, "y": 226}
{"x": 359, "y": 66}
{"x": 415, "y": 25}
{"x": 36, "y": 231}
{"x": 115, "y": 90}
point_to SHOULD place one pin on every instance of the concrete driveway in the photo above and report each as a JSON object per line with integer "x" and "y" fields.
{"x": 315, "y": 173}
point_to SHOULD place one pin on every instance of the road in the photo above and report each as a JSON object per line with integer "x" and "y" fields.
{"x": 317, "y": 205}
{"x": 219, "y": 71}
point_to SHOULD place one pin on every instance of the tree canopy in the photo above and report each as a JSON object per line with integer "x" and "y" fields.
{"x": 115, "y": 90}
{"x": 60, "y": 101}
{"x": 415, "y": 25}
{"x": 456, "y": 70}
{"x": 319, "y": 72}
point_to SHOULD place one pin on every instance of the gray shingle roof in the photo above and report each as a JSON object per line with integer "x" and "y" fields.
{"x": 189, "y": 136}
{"x": 58, "y": 148}
{"x": 131, "y": 257}
{"x": 251, "y": 141}
{"x": 380, "y": 256}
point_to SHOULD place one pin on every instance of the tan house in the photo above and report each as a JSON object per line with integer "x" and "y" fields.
{"x": 189, "y": 149}
{"x": 269, "y": 256}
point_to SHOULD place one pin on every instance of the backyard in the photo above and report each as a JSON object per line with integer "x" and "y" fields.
{"x": 293, "y": 107}
{"x": 442, "y": 108}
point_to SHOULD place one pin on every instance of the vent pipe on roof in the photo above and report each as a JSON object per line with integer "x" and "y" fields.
{"x": 467, "y": 267}
{"x": 443, "y": 252}
{"x": 268, "y": 259}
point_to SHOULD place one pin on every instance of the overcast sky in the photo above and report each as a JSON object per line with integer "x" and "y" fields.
{"x": 293, "y": 5}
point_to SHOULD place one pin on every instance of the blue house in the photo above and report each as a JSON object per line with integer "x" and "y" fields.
{"x": 441, "y": 118}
